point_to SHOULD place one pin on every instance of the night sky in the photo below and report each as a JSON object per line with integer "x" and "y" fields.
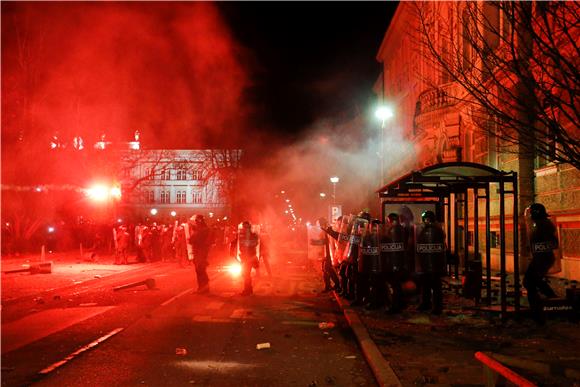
{"x": 314, "y": 59}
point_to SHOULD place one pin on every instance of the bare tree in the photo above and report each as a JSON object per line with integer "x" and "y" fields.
{"x": 518, "y": 68}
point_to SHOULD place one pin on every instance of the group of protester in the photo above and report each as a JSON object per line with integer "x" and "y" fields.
{"x": 374, "y": 264}
{"x": 190, "y": 243}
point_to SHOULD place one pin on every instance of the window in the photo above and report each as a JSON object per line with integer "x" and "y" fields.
{"x": 182, "y": 174}
{"x": 149, "y": 196}
{"x": 150, "y": 173}
{"x": 197, "y": 174}
{"x": 165, "y": 197}
{"x": 181, "y": 197}
{"x": 197, "y": 197}
{"x": 166, "y": 174}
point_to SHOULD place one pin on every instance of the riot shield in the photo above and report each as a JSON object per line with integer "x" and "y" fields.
{"x": 369, "y": 261}
{"x": 352, "y": 248}
{"x": 315, "y": 242}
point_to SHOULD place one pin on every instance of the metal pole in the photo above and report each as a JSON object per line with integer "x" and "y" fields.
{"x": 487, "y": 245}
{"x": 476, "y": 223}
{"x": 456, "y": 234}
{"x": 466, "y": 230}
{"x": 516, "y": 247}
{"x": 503, "y": 274}
{"x": 382, "y": 153}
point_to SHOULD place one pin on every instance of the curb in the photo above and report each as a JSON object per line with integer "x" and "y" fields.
{"x": 381, "y": 368}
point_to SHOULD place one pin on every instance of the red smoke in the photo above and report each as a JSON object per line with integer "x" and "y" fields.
{"x": 170, "y": 70}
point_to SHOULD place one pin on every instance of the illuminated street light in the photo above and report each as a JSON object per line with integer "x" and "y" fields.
{"x": 287, "y": 200}
{"x": 334, "y": 180}
{"x": 383, "y": 113}
{"x": 119, "y": 220}
{"x": 322, "y": 195}
{"x": 173, "y": 213}
{"x": 50, "y": 229}
{"x": 153, "y": 211}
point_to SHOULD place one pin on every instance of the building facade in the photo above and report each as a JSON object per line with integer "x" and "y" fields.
{"x": 178, "y": 183}
{"x": 433, "y": 111}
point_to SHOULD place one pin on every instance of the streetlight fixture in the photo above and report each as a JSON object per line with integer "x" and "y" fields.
{"x": 322, "y": 195}
{"x": 334, "y": 180}
{"x": 383, "y": 113}
{"x": 153, "y": 211}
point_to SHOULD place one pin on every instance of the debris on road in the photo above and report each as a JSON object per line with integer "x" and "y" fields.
{"x": 149, "y": 282}
{"x": 181, "y": 351}
{"x": 350, "y": 357}
{"x": 326, "y": 325}
{"x": 35, "y": 268}
{"x": 263, "y": 346}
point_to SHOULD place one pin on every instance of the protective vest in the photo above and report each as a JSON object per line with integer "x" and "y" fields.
{"x": 430, "y": 248}
{"x": 393, "y": 248}
{"x": 370, "y": 254}
{"x": 247, "y": 244}
{"x": 543, "y": 241}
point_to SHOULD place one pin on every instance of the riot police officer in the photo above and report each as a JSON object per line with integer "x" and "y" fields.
{"x": 394, "y": 260}
{"x": 369, "y": 265}
{"x": 543, "y": 241}
{"x": 357, "y": 282}
{"x": 430, "y": 265}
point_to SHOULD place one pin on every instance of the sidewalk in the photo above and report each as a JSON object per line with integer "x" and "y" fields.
{"x": 422, "y": 349}
{"x": 67, "y": 269}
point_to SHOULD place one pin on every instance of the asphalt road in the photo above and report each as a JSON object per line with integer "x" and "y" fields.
{"x": 171, "y": 336}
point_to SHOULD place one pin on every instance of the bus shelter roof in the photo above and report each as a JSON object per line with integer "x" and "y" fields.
{"x": 440, "y": 180}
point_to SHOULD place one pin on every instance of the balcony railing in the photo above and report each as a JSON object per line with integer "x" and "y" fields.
{"x": 442, "y": 96}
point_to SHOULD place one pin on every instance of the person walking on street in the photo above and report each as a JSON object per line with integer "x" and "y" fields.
{"x": 122, "y": 246}
{"x": 246, "y": 245}
{"x": 200, "y": 240}
{"x": 543, "y": 241}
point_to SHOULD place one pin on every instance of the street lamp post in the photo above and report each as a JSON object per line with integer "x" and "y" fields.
{"x": 334, "y": 180}
{"x": 383, "y": 113}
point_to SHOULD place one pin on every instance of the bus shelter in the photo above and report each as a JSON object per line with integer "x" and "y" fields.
{"x": 451, "y": 189}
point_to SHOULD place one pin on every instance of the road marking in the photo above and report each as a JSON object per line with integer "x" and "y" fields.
{"x": 79, "y": 351}
{"x": 176, "y": 297}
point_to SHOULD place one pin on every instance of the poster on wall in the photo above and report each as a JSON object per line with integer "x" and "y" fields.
{"x": 409, "y": 213}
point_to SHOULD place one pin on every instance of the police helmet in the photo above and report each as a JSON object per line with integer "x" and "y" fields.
{"x": 538, "y": 211}
{"x": 428, "y": 216}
